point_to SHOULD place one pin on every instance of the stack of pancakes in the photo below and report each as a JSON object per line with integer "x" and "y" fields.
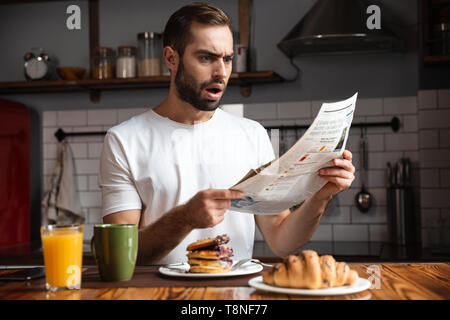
{"x": 210, "y": 255}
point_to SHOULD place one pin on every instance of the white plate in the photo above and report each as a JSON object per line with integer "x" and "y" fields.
{"x": 360, "y": 285}
{"x": 183, "y": 271}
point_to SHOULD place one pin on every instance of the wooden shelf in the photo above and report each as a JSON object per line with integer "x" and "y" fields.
{"x": 241, "y": 79}
{"x": 94, "y": 86}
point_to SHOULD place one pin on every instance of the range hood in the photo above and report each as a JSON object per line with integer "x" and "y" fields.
{"x": 338, "y": 27}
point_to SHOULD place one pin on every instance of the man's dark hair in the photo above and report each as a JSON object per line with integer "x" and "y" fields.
{"x": 177, "y": 32}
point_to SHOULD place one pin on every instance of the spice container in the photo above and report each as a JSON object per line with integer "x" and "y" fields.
{"x": 103, "y": 63}
{"x": 149, "y": 54}
{"x": 126, "y": 62}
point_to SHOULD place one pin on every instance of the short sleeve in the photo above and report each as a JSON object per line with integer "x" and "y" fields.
{"x": 118, "y": 189}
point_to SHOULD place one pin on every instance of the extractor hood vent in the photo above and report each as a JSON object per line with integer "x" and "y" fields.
{"x": 338, "y": 27}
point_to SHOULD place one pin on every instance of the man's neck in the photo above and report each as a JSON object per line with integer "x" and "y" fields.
{"x": 182, "y": 112}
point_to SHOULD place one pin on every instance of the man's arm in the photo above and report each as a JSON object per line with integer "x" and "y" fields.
{"x": 157, "y": 240}
{"x": 206, "y": 209}
{"x": 287, "y": 232}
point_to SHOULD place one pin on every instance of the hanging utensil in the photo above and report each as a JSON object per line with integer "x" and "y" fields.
{"x": 363, "y": 199}
{"x": 389, "y": 175}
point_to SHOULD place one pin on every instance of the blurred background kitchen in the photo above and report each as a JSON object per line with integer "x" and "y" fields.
{"x": 403, "y": 75}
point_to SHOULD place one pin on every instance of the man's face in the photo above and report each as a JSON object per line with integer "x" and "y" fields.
{"x": 205, "y": 68}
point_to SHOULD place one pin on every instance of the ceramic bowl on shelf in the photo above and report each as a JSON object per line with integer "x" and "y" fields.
{"x": 71, "y": 73}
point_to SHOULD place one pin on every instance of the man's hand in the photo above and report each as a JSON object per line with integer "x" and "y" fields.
{"x": 339, "y": 179}
{"x": 207, "y": 208}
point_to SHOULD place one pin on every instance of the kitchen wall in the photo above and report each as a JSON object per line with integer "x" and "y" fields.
{"x": 423, "y": 138}
{"x": 388, "y": 85}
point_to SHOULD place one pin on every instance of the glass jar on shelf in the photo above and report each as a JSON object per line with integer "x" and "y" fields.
{"x": 149, "y": 54}
{"x": 103, "y": 61}
{"x": 126, "y": 62}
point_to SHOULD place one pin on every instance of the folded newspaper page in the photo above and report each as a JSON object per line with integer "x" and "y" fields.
{"x": 292, "y": 178}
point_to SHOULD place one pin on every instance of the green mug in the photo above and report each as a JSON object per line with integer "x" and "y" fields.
{"x": 115, "y": 247}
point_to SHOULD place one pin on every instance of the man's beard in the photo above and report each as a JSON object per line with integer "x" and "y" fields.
{"x": 187, "y": 90}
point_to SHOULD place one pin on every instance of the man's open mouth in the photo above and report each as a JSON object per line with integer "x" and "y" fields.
{"x": 213, "y": 90}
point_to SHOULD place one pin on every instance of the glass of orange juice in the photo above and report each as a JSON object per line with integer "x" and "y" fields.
{"x": 63, "y": 255}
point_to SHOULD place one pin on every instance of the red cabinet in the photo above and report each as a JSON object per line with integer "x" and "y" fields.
{"x": 14, "y": 173}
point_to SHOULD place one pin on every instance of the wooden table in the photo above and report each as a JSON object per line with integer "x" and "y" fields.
{"x": 397, "y": 281}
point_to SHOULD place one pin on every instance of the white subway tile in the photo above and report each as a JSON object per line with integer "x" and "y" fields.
{"x": 429, "y": 178}
{"x": 400, "y": 105}
{"x": 369, "y": 107}
{"x": 234, "y": 109}
{"x": 79, "y": 150}
{"x": 48, "y": 166}
{"x": 401, "y": 141}
{"x": 427, "y": 99}
{"x": 72, "y": 118}
{"x": 323, "y": 232}
{"x": 125, "y": 114}
{"x": 444, "y": 138}
{"x": 435, "y": 158}
{"x": 87, "y": 166}
{"x": 93, "y": 183}
{"x": 445, "y": 217}
{"x": 277, "y": 123}
{"x": 379, "y": 160}
{"x": 430, "y": 218}
{"x": 349, "y": 232}
{"x": 101, "y": 117}
{"x": 435, "y": 198}
{"x": 258, "y": 235}
{"x": 410, "y": 123}
{"x": 444, "y": 99}
{"x": 444, "y": 178}
{"x": 91, "y": 198}
{"x": 95, "y": 215}
{"x": 50, "y": 150}
{"x": 429, "y": 139}
{"x": 82, "y": 183}
{"x": 49, "y": 119}
{"x": 88, "y": 233}
{"x": 375, "y": 142}
{"x": 346, "y": 197}
{"x": 259, "y": 111}
{"x": 376, "y": 214}
{"x": 376, "y": 178}
{"x": 430, "y": 119}
{"x": 94, "y": 150}
{"x": 291, "y": 110}
{"x": 378, "y": 232}
{"x": 340, "y": 214}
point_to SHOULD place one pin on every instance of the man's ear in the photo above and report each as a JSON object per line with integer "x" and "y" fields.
{"x": 171, "y": 58}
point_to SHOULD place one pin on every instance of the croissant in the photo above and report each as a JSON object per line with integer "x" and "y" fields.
{"x": 309, "y": 271}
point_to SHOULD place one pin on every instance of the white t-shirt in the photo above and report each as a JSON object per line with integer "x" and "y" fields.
{"x": 152, "y": 163}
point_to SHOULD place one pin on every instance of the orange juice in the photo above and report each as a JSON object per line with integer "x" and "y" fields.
{"x": 63, "y": 254}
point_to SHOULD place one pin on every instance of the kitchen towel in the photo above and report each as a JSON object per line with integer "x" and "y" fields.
{"x": 61, "y": 204}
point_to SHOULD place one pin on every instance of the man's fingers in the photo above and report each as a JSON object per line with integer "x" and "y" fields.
{"x": 333, "y": 172}
{"x": 346, "y": 164}
{"x": 347, "y": 155}
{"x": 224, "y": 194}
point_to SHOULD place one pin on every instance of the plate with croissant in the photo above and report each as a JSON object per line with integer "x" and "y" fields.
{"x": 310, "y": 274}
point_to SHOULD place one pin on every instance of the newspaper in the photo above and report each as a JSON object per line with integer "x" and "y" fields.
{"x": 292, "y": 178}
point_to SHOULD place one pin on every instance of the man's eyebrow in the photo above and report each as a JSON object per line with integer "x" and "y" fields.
{"x": 213, "y": 54}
